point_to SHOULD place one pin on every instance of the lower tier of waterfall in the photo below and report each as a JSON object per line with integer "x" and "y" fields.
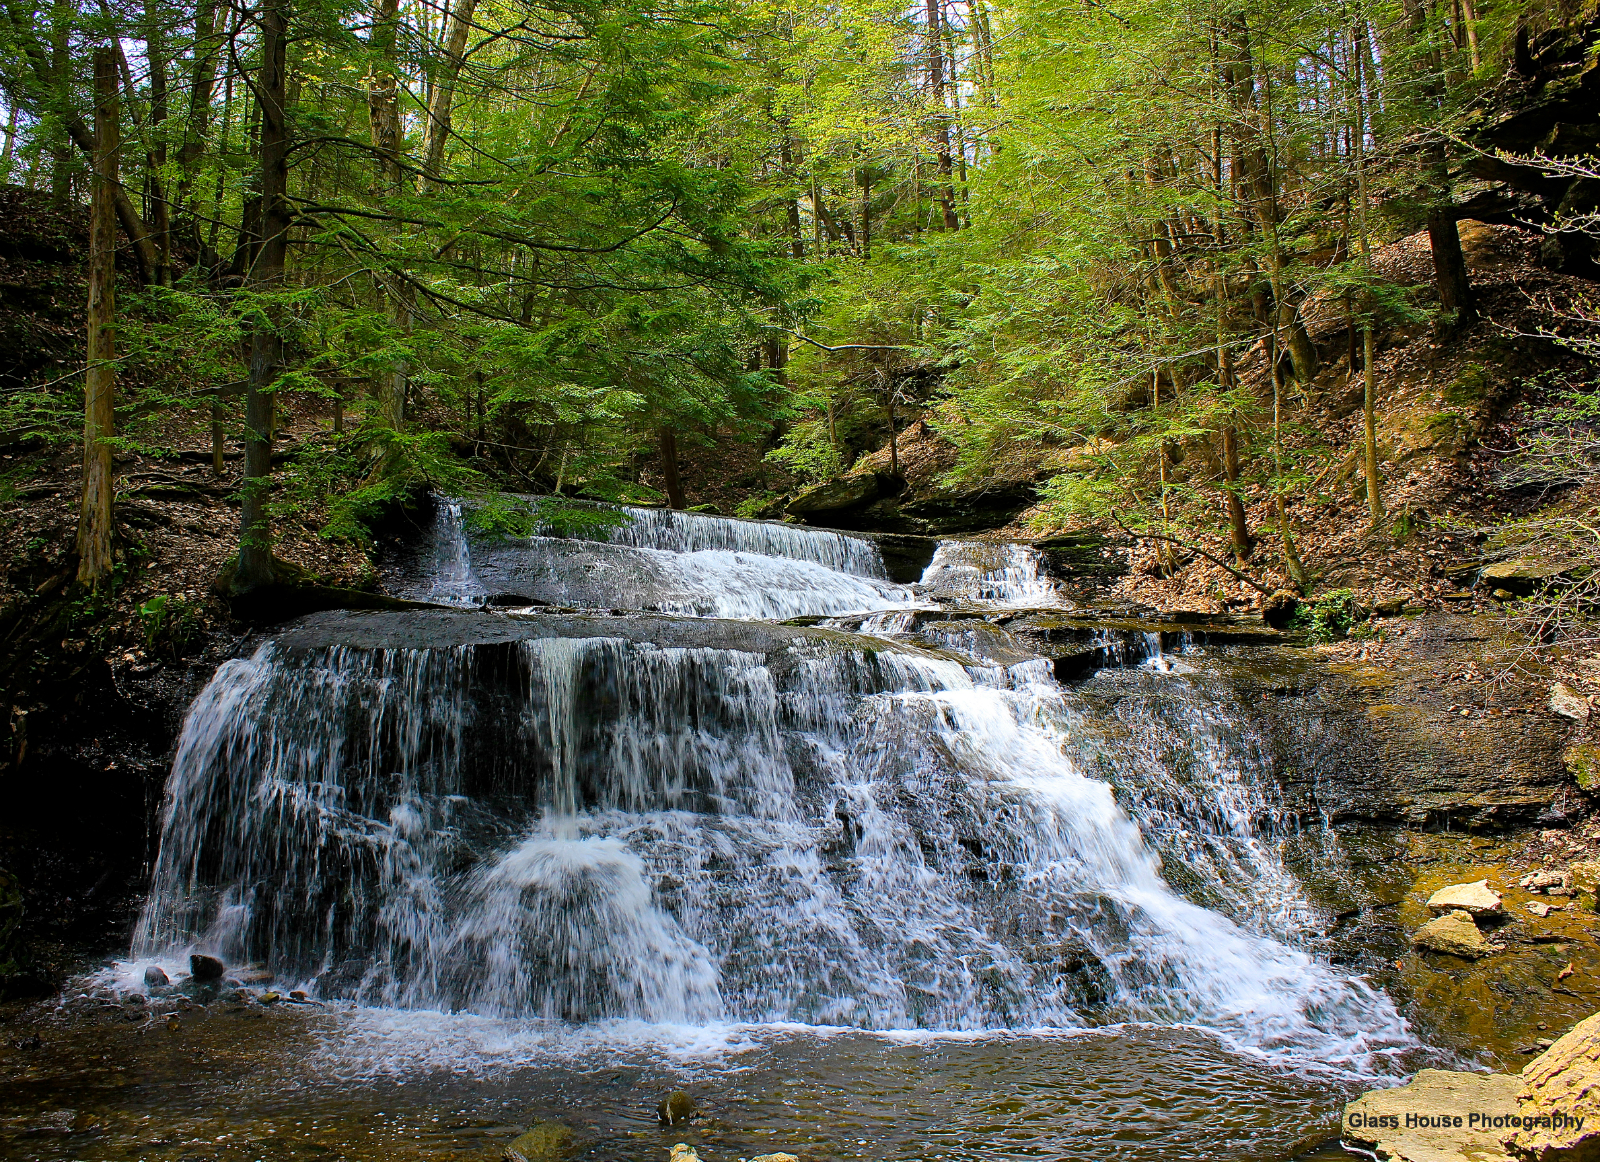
{"x": 684, "y": 821}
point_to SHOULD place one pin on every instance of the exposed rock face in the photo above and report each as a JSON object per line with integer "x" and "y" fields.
{"x": 1379, "y": 1120}
{"x": 1522, "y": 578}
{"x": 1476, "y": 899}
{"x": 1415, "y": 762}
{"x": 1456, "y": 934}
{"x": 1561, "y": 1090}
{"x": 840, "y": 495}
{"x": 1582, "y": 760}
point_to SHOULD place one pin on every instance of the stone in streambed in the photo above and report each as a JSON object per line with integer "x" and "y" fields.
{"x": 1456, "y": 934}
{"x": 1568, "y": 703}
{"x": 545, "y": 1142}
{"x": 682, "y": 1152}
{"x": 154, "y": 977}
{"x": 775, "y": 1158}
{"x": 205, "y": 968}
{"x": 1561, "y": 1088}
{"x": 1378, "y": 1120}
{"x": 675, "y": 1109}
{"x": 1476, "y": 899}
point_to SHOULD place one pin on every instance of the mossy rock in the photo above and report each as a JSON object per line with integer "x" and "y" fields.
{"x": 545, "y": 1142}
{"x": 1583, "y": 763}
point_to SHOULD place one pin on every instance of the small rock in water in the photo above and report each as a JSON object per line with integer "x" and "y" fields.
{"x": 270, "y": 998}
{"x": 204, "y": 968}
{"x": 154, "y": 977}
{"x": 545, "y": 1142}
{"x": 676, "y": 1108}
{"x": 1456, "y": 934}
{"x": 1542, "y": 910}
{"x": 682, "y": 1152}
{"x": 775, "y": 1158}
{"x": 174, "y": 1023}
{"x": 298, "y": 995}
{"x": 255, "y": 974}
{"x": 1477, "y": 899}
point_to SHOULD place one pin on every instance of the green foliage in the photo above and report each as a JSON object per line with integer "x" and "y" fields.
{"x": 503, "y": 516}
{"x": 1331, "y": 617}
{"x": 168, "y": 622}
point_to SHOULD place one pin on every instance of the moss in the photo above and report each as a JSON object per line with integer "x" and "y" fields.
{"x": 1583, "y": 763}
{"x": 1471, "y": 386}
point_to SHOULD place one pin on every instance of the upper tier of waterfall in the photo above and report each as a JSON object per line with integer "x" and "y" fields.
{"x": 701, "y": 566}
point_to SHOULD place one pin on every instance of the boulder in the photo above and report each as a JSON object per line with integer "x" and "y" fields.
{"x": 1476, "y": 899}
{"x": 682, "y": 1152}
{"x": 204, "y": 968}
{"x": 841, "y": 494}
{"x": 1520, "y": 577}
{"x": 1437, "y": 1099}
{"x": 1568, "y": 703}
{"x": 154, "y": 977}
{"x": 675, "y": 1109}
{"x": 1560, "y": 1092}
{"x": 775, "y": 1158}
{"x": 1543, "y": 910}
{"x": 545, "y": 1142}
{"x": 1456, "y": 934}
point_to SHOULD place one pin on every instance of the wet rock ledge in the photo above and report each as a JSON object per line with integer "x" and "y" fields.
{"x": 1548, "y": 1113}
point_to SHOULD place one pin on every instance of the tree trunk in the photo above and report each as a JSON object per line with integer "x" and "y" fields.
{"x": 383, "y": 104}
{"x": 797, "y": 245}
{"x": 99, "y": 417}
{"x": 1238, "y": 522}
{"x": 947, "y": 193}
{"x": 668, "y": 442}
{"x": 1450, "y": 267}
{"x": 160, "y": 213}
{"x": 441, "y": 107}
{"x": 866, "y": 218}
{"x": 1369, "y": 404}
{"x": 266, "y": 345}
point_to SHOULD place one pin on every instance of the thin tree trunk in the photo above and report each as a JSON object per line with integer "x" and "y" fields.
{"x": 99, "y": 415}
{"x": 266, "y": 346}
{"x": 383, "y": 108}
{"x": 866, "y": 217}
{"x": 1369, "y": 404}
{"x": 10, "y": 152}
{"x": 947, "y": 194}
{"x": 797, "y": 245}
{"x": 667, "y": 440}
{"x": 160, "y": 212}
{"x": 441, "y": 103}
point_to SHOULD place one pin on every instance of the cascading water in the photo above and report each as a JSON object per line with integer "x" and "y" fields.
{"x": 598, "y": 817}
{"x": 657, "y": 561}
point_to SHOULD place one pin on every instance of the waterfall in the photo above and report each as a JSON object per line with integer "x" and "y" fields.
{"x": 809, "y": 827}
{"x": 686, "y": 532}
{"x": 1002, "y": 574}
{"x": 659, "y": 561}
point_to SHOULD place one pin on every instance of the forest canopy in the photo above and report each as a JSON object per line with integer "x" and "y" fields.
{"x": 546, "y": 246}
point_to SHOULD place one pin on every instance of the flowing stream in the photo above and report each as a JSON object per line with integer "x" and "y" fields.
{"x": 628, "y": 816}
